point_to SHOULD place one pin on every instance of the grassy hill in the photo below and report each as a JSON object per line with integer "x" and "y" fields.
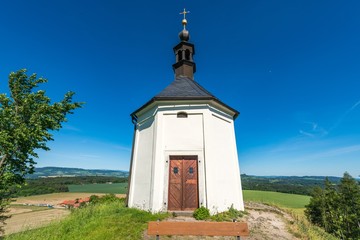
{"x": 286, "y": 200}
{"x": 286, "y": 184}
{"x": 92, "y": 184}
{"x": 116, "y": 188}
{"x": 112, "y": 220}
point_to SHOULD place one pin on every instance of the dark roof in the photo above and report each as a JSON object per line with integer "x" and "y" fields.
{"x": 184, "y": 88}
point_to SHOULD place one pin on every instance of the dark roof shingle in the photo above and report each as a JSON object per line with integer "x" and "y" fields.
{"x": 184, "y": 88}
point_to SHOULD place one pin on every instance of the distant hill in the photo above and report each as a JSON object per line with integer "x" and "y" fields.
{"x": 75, "y": 172}
{"x": 59, "y": 178}
{"x": 295, "y": 178}
{"x": 286, "y": 184}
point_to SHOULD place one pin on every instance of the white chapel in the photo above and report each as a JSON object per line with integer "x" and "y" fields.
{"x": 184, "y": 149}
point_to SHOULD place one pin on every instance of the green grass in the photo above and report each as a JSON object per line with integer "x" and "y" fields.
{"x": 110, "y": 220}
{"x": 303, "y": 229}
{"x": 281, "y": 199}
{"x": 116, "y": 188}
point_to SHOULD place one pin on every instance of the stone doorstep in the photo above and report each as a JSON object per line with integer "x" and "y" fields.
{"x": 182, "y": 213}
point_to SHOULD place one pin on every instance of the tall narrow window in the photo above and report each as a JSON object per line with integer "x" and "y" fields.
{"x": 180, "y": 56}
{"x": 187, "y": 54}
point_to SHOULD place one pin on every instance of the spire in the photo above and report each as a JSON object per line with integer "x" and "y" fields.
{"x": 184, "y": 52}
{"x": 184, "y": 34}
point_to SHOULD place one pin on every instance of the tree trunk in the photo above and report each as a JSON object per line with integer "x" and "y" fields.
{"x": 2, "y": 163}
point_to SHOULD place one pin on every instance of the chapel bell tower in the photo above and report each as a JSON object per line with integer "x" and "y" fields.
{"x": 184, "y": 152}
{"x": 184, "y": 52}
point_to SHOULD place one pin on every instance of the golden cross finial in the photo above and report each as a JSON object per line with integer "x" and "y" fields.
{"x": 185, "y": 12}
{"x": 184, "y": 21}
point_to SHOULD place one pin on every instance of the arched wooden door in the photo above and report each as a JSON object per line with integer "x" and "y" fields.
{"x": 183, "y": 183}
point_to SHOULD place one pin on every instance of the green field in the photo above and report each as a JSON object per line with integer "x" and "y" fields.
{"x": 116, "y": 188}
{"x": 280, "y": 199}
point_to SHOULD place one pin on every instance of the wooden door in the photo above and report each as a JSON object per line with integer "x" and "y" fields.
{"x": 183, "y": 183}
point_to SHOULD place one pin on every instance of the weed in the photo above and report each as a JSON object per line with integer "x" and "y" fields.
{"x": 230, "y": 215}
{"x": 201, "y": 213}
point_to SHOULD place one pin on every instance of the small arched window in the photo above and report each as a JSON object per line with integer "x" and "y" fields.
{"x": 187, "y": 54}
{"x": 180, "y": 56}
{"x": 182, "y": 115}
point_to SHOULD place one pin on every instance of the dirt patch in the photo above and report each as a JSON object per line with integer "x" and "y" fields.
{"x": 55, "y": 198}
{"x": 265, "y": 223}
{"x": 33, "y": 219}
{"x": 27, "y": 215}
{"x": 13, "y": 210}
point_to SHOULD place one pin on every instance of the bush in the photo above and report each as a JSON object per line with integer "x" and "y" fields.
{"x": 201, "y": 213}
{"x": 108, "y": 198}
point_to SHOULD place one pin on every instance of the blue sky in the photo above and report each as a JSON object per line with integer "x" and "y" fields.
{"x": 292, "y": 69}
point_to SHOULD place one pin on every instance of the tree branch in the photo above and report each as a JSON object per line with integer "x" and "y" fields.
{"x": 2, "y": 162}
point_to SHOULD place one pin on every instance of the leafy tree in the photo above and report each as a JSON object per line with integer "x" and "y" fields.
{"x": 349, "y": 222}
{"x": 330, "y": 208}
{"x": 27, "y": 119}
{"x": 337, "y": 208}
{"x": 314, "y": 210}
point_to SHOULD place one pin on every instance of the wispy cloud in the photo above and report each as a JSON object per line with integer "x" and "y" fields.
{"x": 353, "y": 107}
{"x": 336, "y": 152}
{"x": 341, "y": 119}
{"x": 303, "y": 156}
{"x": 89, "y": 156}
{"x": 71, "y": 128}
{"x": 314, "y": 131}
{"x": 306, "y": 133}
{"x": 317, "y": 131}
{"x": 123, "y": 148}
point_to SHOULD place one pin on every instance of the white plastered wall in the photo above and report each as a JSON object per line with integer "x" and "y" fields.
{"x": 140, "y": 192}
{"x": 182, "y": 136}
{"x": 222, "y": 168}
{"x": 207, "y": 133}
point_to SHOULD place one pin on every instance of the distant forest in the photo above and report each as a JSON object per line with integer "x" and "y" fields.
{"x": 74, "y": 172}
{"x": 53, "y": 179}
{"x": 59, "y": 184}
{"x": 285, "y": 184}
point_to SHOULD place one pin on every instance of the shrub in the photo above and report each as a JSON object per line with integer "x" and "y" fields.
{"x": 201, "y": 213}
{"x": 108, "y": 198}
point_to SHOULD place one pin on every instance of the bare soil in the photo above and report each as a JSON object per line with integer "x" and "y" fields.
{"x": 55, "y": 198}
{"x": 265, "y": 223}
{"x": 33, "y": 219}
